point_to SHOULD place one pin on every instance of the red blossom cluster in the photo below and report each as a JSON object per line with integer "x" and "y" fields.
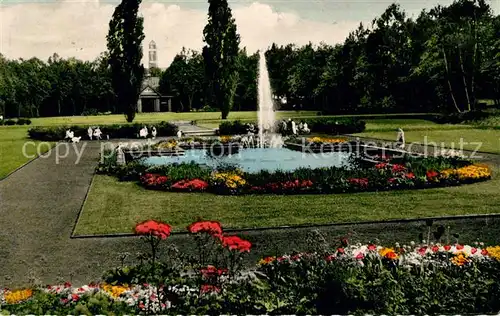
{"x": 207, "y": 288}
{"x": 153, "y": 228}
{"x": 190, "y": 185}
{"x": 361, "y": 182}
{"x": 398, "y": 168}
{"x": 236, "y": 243}
{"x": 153, "y": 180}
{"x": 280, "y": 186}
{"x": 210, "y": 227}
{"x": 431, "y": 174}
{"x": 211, "y": 271}
{"x": 381, "y": 165}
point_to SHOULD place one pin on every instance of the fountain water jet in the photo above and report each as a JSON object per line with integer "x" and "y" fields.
{"x": 267, "y": 117}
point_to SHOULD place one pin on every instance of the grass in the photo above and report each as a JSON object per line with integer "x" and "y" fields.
{"x": 157, "y": 117}
{"x": 12, "y": 142}
{"x": 114, "y": 207}
{"x": 488, "y": 139}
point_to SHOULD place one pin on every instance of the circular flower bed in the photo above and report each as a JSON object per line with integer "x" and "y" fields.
{"x": 380, "y": 177}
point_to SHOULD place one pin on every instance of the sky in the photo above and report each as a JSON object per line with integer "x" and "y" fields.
{"x": 78, "y": 28}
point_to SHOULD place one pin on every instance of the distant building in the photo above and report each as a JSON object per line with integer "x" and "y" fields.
{"x": 150, "y": 98}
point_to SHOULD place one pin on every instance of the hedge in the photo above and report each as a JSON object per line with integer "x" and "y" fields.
{"x": 20, "y": 121}
{"x": 334, "y": 126}
{"x": 114, "y": 131}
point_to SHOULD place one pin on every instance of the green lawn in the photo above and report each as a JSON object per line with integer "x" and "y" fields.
{"x": 12, "y": 141}
{"x": 489, "y": 139}
{"x": 114, "y": 207}
{"x": 158, "y": 117}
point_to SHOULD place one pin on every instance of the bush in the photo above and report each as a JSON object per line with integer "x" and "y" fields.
{"x": 232, "y": 128}
{"x": 10, "y": 122}
{"x": 331, "y": 126}
{"x": 114, "y": 131}
{"x": 23, "y": 121}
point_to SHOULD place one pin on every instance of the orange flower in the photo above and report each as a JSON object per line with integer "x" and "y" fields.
{"x": 460, "y": 259}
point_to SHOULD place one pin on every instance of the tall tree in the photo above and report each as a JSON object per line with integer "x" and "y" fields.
{"x": 221, "y": 56}
{"x": 125, "y": 54}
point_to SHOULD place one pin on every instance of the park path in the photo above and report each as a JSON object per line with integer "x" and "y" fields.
{"x": 39, "y": 205}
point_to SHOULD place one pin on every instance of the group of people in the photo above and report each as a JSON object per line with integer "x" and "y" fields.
{"x": 290, "y": 127}
{"x": 143, "y": 133}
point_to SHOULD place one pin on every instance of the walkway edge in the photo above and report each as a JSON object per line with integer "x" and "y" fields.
{"x": 30, "y": 161}
{"x": 83, "y": 204}
{"x": 390, "y": 221}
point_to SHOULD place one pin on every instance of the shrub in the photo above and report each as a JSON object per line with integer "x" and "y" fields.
{"x": 232, "y": 128}
{"x": 23, "y": 121}
{"x": 114, "y": 131}
{"x": 331, "y": 126}
{"x": 10, "y": 122}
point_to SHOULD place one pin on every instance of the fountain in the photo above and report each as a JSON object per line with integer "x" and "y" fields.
{"x": 266, "y": 114}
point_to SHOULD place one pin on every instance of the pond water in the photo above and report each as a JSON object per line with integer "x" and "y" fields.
{"x": 257, "y": 159}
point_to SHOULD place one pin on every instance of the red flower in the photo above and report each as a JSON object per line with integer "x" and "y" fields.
{"x": 431, "y": 174}
{"x": 484, "y": 252}
{"x": 473, "y": 250}
{"x": 372, "y": 247}
{"x": 141, "y": 305}
{"x": 75, "y": 297}
{"x": 67, "y": 284}
{"x": 191, "y": 185}
{"x": 207, "y": 288}
{"x": 64, "y": 300}
{"x": 153, "y": 180}
{"x": 236, "y": 243}
{"x": 381, "y": 165}
{"x": 361, "y": 182}
{"x": 459, "y": 247}
{"x": 153, "y": 228}
{"x": 410, "y": 175}
{"x": 422, "y": 250}
{"x": 398, "y": 168}
{"x": 447, "y": 247}
{"x": 360, "y": 256}
{"x": 330, "y": 258}
{"x": 211, "y": 271}
{"x": 435, "y": 248}
{"x": 391, "y": 180}
{"x": 210, "y": 227}
{"x": 340, "y": 250}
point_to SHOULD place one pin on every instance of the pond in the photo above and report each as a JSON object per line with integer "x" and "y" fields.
{"x": 257, "y": 159}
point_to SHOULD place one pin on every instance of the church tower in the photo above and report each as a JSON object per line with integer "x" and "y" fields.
{"x": 153, "y": 58}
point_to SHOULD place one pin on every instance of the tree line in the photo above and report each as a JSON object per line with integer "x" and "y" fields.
{"x": 446, "y": 59}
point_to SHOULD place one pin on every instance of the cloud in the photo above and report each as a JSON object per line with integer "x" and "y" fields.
{"x": 78, "y": 28}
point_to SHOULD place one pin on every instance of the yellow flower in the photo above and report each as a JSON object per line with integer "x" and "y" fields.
{"x": 231, "y": 180}
{"x": 114, "y": 290}
{"x": 169, "y": 145}
{"x": 326, "y": 140}
{"x": 494, "y": 252}
{"x": 225, "y": 139}
{"x": 17, "y": 296}
{"x": 460, "y": 259}
{"x": 476, "y": 171}
{"x": 388, "y": 253}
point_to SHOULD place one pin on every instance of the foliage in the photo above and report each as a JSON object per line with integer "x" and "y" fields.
{"x": 125, "y": 53}
{"x": 57, "y": 133}
{"x": 389, "y": 174}
{"x": 445, "y": 60}
{"x": 220, "y": 55}
{"x": 333, "y": 126}
{"x": 333, "y": 277}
